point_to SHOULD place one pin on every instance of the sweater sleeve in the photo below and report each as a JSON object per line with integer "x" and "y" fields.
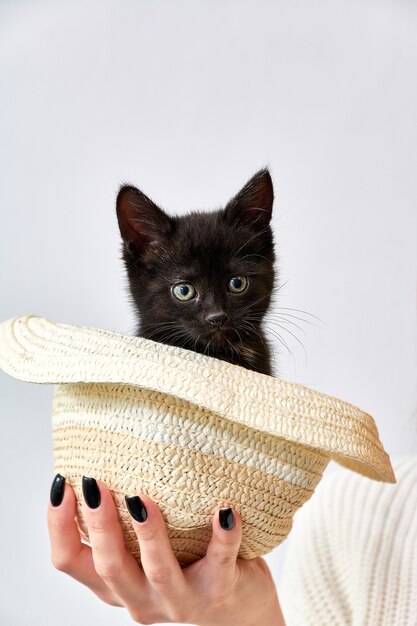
{"x": 352, "y": 555}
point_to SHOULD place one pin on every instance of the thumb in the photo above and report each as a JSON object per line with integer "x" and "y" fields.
{"x": 223, "y": 549}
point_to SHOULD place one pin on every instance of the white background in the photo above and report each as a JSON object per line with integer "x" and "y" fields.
{"x": 187, "y": 99}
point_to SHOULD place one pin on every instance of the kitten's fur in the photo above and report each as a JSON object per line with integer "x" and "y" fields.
{"x": 204, "y": 250}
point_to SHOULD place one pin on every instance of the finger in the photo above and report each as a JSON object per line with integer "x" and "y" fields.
{"x": 112, "y": 562}
{"x": 223, "y": 549}
{"x": 158, "y": 560}
{"x": 68, "y": 553}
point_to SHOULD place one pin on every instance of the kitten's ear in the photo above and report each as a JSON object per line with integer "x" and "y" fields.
{"x": 253, "y": 204}
{"x": 142, "y": 224}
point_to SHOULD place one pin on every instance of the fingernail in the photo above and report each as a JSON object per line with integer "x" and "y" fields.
{"x": 226, "y": 519}
{"x": 136, "y": 508}
{"x": 57, "y": 490}
{"x": 91, "y": 492}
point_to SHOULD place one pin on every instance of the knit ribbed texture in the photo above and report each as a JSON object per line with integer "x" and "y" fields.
{"x": 352, "y": 556}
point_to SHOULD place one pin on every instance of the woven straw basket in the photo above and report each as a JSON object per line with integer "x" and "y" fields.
{"x": 192, "y": 432}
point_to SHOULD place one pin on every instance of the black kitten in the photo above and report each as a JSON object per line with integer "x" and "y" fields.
{"x": 203, "y": 281}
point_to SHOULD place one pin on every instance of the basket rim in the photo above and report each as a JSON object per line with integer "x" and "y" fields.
{"x": 37, "y": 350}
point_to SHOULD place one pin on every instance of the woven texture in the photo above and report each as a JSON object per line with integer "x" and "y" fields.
{"x": 192, "y": 432}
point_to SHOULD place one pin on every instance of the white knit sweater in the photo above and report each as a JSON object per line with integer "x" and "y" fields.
{"x": 352, "y": 556}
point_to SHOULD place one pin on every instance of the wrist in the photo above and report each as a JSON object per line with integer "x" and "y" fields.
{"x": 271, "y": 615}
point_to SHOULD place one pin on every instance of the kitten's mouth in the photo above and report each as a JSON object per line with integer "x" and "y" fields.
{"x": 218, "y": 336}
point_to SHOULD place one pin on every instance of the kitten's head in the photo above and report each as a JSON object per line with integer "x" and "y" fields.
{"x": 202, "y": 281}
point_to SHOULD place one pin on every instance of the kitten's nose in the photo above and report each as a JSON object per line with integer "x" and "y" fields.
{"x": 217, "y": 319}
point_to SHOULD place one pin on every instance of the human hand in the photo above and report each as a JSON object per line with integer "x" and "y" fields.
{"x": 218, "y": 589}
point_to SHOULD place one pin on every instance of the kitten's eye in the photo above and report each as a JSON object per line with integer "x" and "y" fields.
{"x": 238, "y": 284}
{"x": 183, "y": 291}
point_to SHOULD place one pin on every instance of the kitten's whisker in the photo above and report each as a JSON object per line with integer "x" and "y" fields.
{"x": 289, "y": 315}
{"x": 294, "y": 336}
{"x": 184, "y": 343}
{"x": 233, "y": 348}
{"x": 164, "y": 338}
{"x": 285, "y": 308}
{"x": 207, "y": 347}
{"x": 238, "y": 334}
{"x": 248, "y": 326}
{"x": 284, "y": 321}
{"x": 268, "y": 295}
{"x": 174, "y": 336}
{"x": 260, "y": 256}
{"x": 281, "y": 286}
{"x": 196, "y": 342}
{"x": 161, "y": 328}
{"x": 166, "y": 322}
{"x": 283, "y": 342}
{"x": 272, "y": 317}
{"x": 252, "y": 330}
{"x": 258, "y": 334}
{"x": 156, "y": 332}
{"x": 252, "y": 304}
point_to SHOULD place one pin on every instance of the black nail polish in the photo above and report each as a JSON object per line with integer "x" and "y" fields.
{"x": 226, "y": 519}
{"x": 57, "y": 490}
{"x": 136, "y": 508}
{"x": 91, "y": 492}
